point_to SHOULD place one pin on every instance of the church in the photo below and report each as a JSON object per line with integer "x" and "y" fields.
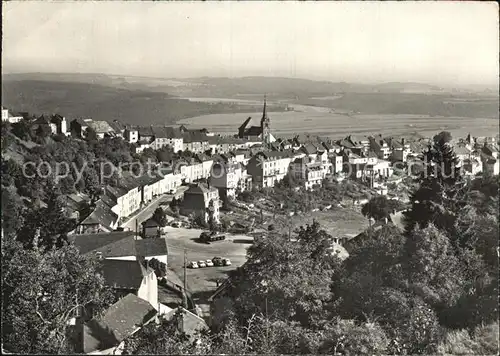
{"x": 263, "y": 131}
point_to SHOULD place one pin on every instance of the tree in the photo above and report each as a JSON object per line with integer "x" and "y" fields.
{"x": 377, "y": 208}
{"x": 432, "y": 268}
{"x": 22, "y": 130}
{"x": 174, "y": 204}
{"x": 483, "y": 340}
{"x": 49, "y": 224}
{"x": 160, "y": 217}
{"x": 163, "y": 339}
{"x": 159, "y": 267}
{"x": 289, "y": 278}
{"x": 41, "y": 292}
{"x": 90, "y": 136}
{"x": 345, "y": 337}
{"x": 7, "y": 139}
{"x": 12, "y": 211}
{"x": 436, "y": 199}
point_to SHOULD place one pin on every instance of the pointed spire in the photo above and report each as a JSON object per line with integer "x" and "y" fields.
{"x": 264, "y": 112}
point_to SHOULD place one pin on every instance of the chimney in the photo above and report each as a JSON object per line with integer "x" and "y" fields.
{"x": 403, "y": 141}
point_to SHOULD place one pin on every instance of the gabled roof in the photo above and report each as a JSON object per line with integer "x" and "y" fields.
{"x": 81, "y": 122}
{"x": 166, "y": 132}
{"x": 100, "y": 126}
{"x": 102, "y": 215}
{"x": 199, "y": 189}
{"x": 110, "y": 244}
{"x": 194, "y": 136}
{"x": 120, "y": 321}
{"x": 276, "y": 154}
{"x": 253, "y": 131}
{"x": 151, "y": 247}
{"x": 145, "y": 131}
{"x": 123, "y": 274}
{"x": 346, "y": 143}
{"x": 190, "y": 322}
{"x": 150, "y": 223}
{"x": 245, "y": 123}
{"x": 116, "y": 125}
{"x": 309, "y": 149}
{"x": 461, "y": 150}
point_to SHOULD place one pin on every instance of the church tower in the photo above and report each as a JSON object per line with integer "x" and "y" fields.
{"x": 265, "y": 125}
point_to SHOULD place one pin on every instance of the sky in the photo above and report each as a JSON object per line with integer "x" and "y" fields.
{"x": 433, "y": 42}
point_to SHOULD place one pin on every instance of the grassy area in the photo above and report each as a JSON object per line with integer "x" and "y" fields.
{"x": 337, "y": 221}
{"x": 337, "y": 125}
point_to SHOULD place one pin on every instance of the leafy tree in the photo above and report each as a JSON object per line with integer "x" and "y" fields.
{"x": 41, "y": 292}
{"x": 12, "y": 211}
{"x": 11, "y": 172}
{"x": 90, "y": 135}
{"x": 483, "y": 340}
{"x": 22, "y": 129}
{"x": 432, "y": 268}
{"x": 159, "y": 267}
{"x": 377, "y": 208}
{"x": 290, "y": 278}
{"x": 7, "y": 139}
{"x": 174, "y": 204}
{"x": 163, "y": 339}
{"x": 440, "y": 184}
{"x": 345, "y": 337}
{"x": 49, "y": 223}
{"x": 160, "y": 217}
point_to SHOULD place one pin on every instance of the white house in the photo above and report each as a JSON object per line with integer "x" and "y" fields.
{"x": 267, "y": 168}
{"x": 10, "y": 117}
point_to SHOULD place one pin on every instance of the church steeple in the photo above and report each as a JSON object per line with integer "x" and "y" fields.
{"x": 265, "y": 124}
{"x": 264, "y": 111}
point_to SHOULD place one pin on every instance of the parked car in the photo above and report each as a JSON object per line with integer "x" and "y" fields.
{"x": 202, "y": 264}
{"x": 193, "y": 264}
{"x": 171, "y": 191}
{"x": 209, "y": 263}
{"x": 217, "y": 261}
{"x": 208, "y": 237}
{"x": 226, "y": 262}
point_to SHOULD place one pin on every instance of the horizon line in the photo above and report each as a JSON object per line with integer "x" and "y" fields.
{"x": 484, "y": 86}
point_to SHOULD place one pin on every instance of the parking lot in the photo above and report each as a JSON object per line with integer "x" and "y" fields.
{"x": 202, "y": 282}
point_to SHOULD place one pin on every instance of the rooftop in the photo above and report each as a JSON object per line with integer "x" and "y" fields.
{"x": 102, "y": 214}
{"x": 100, "y": 126}
{"x": 123, "y": 274}
{"x": 120, "y": 321}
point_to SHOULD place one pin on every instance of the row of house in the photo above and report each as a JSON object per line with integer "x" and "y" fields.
{"x": 122, "y": 200}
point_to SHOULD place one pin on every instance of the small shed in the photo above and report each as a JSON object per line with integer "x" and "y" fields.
{"x": 150, "y": 228}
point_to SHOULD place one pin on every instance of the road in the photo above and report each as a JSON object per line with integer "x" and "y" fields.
{"x": 148, "y": 211}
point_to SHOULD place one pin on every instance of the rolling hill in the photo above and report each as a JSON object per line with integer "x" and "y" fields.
{"x": 144, "y": 100}
{"x": 101, "y": 102}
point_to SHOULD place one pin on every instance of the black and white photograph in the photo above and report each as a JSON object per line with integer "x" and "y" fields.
{"x": 250, "y": 178}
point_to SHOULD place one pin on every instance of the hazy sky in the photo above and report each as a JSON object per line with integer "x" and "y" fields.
{"x": 435, "y": 42}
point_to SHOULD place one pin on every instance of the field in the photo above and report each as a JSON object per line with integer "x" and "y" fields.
{"x": 221, "y": 104}
{"x": 338, "y": 125}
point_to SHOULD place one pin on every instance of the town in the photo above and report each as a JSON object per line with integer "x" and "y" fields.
{"x": 155, "y": 234}
{"x": 250, "y": 178}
